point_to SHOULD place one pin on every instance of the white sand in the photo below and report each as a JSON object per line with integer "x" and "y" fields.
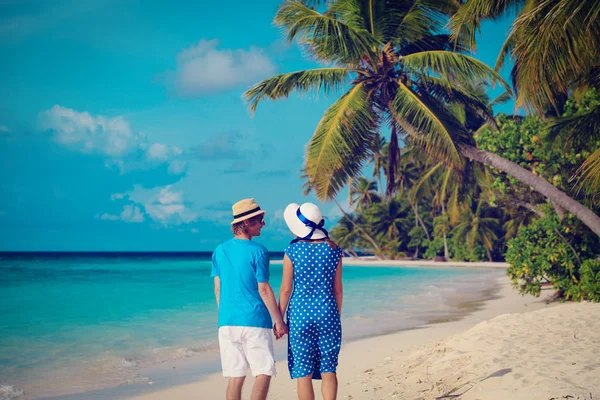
{"x": 508, "y": 350}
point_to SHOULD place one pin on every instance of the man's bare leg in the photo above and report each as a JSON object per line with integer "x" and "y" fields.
{"x": 234, "y": 388}
{"x": 261, "y": 387}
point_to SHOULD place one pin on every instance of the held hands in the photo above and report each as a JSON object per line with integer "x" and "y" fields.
{"x": 280, "y": 329}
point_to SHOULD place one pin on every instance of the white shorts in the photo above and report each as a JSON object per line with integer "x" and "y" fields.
{"x": 242, "y": 347}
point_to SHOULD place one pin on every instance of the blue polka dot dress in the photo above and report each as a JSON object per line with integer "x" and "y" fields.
{"x": 315, "y": 335}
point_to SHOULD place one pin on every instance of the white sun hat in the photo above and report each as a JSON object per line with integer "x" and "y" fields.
{"x": 305, "y": 221}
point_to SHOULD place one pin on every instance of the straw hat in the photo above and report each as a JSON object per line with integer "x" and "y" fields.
{"x": 305, "y": 221}
{"x": 244, "y": 209}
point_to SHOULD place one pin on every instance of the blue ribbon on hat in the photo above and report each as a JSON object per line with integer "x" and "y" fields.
{"x": 311, "y": 225}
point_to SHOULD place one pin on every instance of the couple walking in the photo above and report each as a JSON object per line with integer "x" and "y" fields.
{"x": 311, "y": 294}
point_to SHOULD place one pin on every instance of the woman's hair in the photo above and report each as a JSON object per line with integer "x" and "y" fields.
{"x": 330, "y": 242}
{"x": 240, "y": 227}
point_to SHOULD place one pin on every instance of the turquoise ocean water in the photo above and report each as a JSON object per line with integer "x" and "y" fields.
{"x": 76, "y": 322}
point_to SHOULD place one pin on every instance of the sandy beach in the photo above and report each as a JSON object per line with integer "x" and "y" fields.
{"x": 513, "y": 347}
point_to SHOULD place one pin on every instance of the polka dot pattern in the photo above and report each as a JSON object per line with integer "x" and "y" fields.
{"x": 315, "y": 335}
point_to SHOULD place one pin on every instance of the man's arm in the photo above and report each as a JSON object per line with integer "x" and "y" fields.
{"x": 268, "y": 297}
{"x": 217, "y": 290}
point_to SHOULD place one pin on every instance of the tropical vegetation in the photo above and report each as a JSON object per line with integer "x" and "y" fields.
{"x": 460, "y": 182}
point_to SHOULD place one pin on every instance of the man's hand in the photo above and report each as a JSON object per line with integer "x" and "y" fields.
{"x": 280, "y": 329}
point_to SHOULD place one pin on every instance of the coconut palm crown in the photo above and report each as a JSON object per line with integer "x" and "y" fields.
{"x": 397, "y": 69}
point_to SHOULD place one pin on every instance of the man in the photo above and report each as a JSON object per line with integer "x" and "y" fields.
{"x": 247, "y": 305}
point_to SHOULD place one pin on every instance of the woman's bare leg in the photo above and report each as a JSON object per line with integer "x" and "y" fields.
{"x": 329, "y": 385}
{"x": 305, "y": 388}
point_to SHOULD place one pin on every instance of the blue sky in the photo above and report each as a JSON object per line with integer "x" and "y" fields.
{"x": 122, "y": 125}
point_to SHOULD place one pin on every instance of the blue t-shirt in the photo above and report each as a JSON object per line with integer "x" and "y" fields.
{"x": 240, "y": 265}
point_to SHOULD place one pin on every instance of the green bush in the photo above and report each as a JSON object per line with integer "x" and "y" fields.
{"x": 590, "y": 280}
{"x": 460, "y": 251}
{"x": 435, "y": 248}
{"x": 557, "y": 252}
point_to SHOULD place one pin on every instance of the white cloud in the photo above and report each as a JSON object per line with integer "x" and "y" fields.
{"x": 4, "y": 128}
{"x": 162, "y": 152}
{"x": 203, "y": 68}
{"x": 91, "y": 134}
{"x": 112, "y": 137}
{"x": 166, "y": 196}
{"x": 177, "y": 167}
{"x": 130, "y": 214}
{"x": 162, "y": 204}
{"x": 109, "y": 217}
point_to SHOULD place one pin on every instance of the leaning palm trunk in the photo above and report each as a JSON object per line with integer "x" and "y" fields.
{"x": 587, "y": 216}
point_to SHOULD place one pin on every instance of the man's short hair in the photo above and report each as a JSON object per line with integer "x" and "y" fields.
{"x": 240, "y": 227}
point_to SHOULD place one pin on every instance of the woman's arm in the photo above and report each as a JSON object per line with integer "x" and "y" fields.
{"x": 286, "y": 284}
{"x": 338, "y": 289}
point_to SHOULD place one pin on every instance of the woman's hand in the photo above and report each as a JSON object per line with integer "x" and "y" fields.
{"x": 280, "y": 329}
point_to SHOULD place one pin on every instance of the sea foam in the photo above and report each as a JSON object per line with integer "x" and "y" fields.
{"x": 8, "y": 392}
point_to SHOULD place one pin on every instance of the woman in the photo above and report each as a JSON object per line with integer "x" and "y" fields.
{"x": 313, "y": 264}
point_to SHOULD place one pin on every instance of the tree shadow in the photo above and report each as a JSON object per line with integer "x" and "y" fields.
{"x": 452, "y": 394}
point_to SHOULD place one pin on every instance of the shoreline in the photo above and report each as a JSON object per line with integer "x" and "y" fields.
{"x": 368, "y": 261}
{"x": 362, "y": 361}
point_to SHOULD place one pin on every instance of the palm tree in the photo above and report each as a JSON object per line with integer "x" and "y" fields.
{"x": 307, "y": 187}
{"x": 444, "y": 187}
{"x": 554, "y": 45}
{"x": 477, "y": 228}
{"x": 363, "y": 192}
{"x": 346, "y": 235}
{"x": 388, "y": 219}
{"x": 400, "y": 70}
{"x": 409, "y": 169}
{"x": 377, "y": 158}
{"x": 441, "y": 228}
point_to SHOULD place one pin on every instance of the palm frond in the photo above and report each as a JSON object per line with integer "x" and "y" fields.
{"x": 416, "y": 190}
{"x": 430, "y": 43}
{"x": 453, "y": 208}
{"x": 557, "y": 43}
{"x": 327, "y": 38}
{"x": 507, "y": 48}
{"x": 588, "y": 175}
{"x": 427, "y": 126}
{"x": 465, "y": 22}
{"x": 421, "y": 20}
{"x": 455, "y": 93}
{"x": 579, "y": 129}
{"x": 501, "y": 99}
{"x": 336, "y": 151}
{"x": 321, "y": 79}
{"x": 449, "y": 65}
